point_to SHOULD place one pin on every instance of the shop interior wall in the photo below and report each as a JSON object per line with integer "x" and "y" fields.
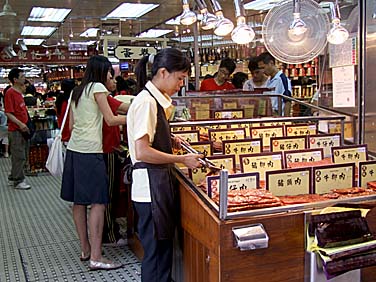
{"x": 370, "y": 76}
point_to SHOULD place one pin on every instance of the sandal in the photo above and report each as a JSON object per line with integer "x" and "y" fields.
{"x": 85, "y": 257}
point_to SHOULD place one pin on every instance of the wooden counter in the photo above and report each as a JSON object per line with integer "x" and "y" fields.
{"x": 207, "y": 251}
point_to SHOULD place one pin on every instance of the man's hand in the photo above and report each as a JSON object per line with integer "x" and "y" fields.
{"x": 177, "y": 141}
{"x": 24, "y": 128}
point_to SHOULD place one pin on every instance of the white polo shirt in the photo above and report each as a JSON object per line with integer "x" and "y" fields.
{"x": 142, "y": 120}
{"x": 250, "y": 85}
{"x": 277, "y": 84}
{"x": 88, "y": 120}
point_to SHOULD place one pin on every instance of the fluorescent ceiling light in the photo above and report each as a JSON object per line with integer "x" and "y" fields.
{"x": 155, "y": 33}
{"x": 37, "y": 31}
{"x": 260, "y": 5}
{"x": 175, "y": 21}
{"x": 82, "y": 42}
{"x": 90, "y": 32}
{"x": 205, "y": 37}
{"x": 131, "y": 10}
{"x": 34, "y": 42}
{"x": 40, "y": 14}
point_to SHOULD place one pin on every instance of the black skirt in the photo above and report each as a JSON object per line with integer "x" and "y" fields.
{"x": 84, "y": 179}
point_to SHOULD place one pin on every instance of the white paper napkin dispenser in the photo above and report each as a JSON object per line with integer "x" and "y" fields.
{"x": 250, "y": 237}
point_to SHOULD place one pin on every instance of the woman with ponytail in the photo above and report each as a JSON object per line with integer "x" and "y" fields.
{"x": 154, "y": 190}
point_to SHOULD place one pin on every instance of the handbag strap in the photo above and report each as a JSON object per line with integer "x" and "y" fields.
{"x": 65, "y": 115}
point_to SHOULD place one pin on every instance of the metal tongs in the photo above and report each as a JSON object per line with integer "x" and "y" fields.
{"x": 204, "y": 161}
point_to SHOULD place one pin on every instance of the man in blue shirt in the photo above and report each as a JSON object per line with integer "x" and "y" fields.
{"x": 278, "y": 82}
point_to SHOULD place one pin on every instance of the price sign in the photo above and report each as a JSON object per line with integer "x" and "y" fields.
{"x": 337, "y": 176}
{"x": 308, "y": 155}
{"x": 181, "y": 128}
{"x": 335, "y": 127}
{"x": 198, "y": 175}
{"x": 201, "y": 110}
{"x": 219, "y": 135}
{"x": 266, "y": 132}
{"x": 367, "y": 172}
{"x": 275, "y": 123}
{"x": 261, "y": 163}
{"x": 301, "y": 130}
{"x": 205, "y": 129}
{"x": 278, "y": 144}
{"x": 229, "y": 114}
{"x": 325, "y": 141}
{"x": 289, "y": 182}
{"x": 240, "y": 147}
{"x": 242, "y": 181}
{"x": 189, "y": 136}
{"x": 227, "y": 105}
{"x": 249, "y": 111}
{"x": 349, "y": 154}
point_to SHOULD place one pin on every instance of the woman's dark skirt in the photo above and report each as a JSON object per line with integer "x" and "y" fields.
{"x": 84, "y": 179}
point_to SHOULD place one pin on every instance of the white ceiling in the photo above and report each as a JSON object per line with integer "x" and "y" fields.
{"x": 88, "y": 13}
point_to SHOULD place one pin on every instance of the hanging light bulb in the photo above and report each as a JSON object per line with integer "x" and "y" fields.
{"x": 337, "y": 34}
{"x": 243, "y": 33}
{"x": 224, "y": 26}
{"x": 187, "y": 17}
{"x": 298, "y": 26}
{"x": 208, "y": 20}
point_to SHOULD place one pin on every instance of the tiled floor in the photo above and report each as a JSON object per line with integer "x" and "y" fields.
{"x": 38, "y": 240}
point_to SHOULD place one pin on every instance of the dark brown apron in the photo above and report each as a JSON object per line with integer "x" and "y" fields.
{"x": 162, "y": 182}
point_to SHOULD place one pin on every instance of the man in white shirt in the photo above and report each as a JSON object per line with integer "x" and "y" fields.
{"x": 278, "y": 82}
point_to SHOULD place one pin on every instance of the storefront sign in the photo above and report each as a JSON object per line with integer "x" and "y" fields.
{"x": 289, "y": 182}
{"x": 133, "y": 52}
{"x": 60, "y": 55}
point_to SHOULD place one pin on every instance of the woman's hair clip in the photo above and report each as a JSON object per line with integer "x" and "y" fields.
{"x": 151, "y": 58}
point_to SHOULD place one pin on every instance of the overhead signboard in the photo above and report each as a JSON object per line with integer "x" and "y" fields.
{"x": 133, "y": 52}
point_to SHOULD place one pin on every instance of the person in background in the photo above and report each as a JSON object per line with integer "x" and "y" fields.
{"x": 16, "y": 112}
{"x": 85, "y": 179}
{"x": 238, "y": 79}
{"x": 30, "y": 99}
{"x": 150, "y": 148}
{"x": 61, "y": 104}
{"x": 111, "y": 140}
{"x": 4, "y": 132}
{"x": 258, "y": 80}
{"x": 278, "y": 83}
{"x": 220, "y": 81}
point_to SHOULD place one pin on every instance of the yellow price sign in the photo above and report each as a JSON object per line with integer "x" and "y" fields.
{"x": 302, "y": 129}
{"x": 367, "y": 172}
{"x": 261, "y": 163}
{"x": 289, "y": 182}
{"x": 325, "y": 141}
{"x": 240, "y": 147}
{"x": 349, "y": 154}
{"x": 279, "y": 144}
{"x": 337, "y": 176}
